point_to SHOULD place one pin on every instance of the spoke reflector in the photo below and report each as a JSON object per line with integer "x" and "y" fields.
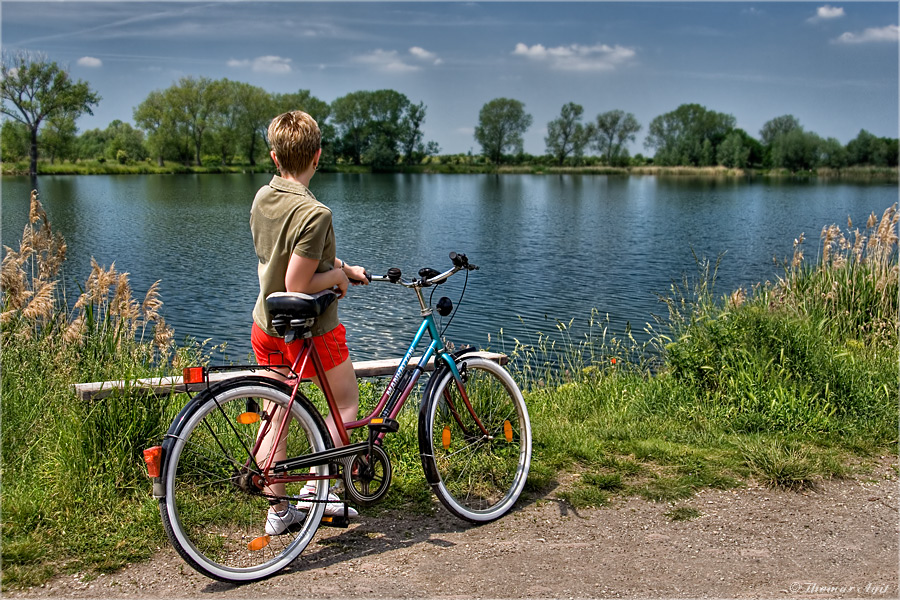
{"x": 248, "y": 418}
{"x": 259, "y": 543}
{"x": 507, "y": 430}
{"x": 445, "y": 437}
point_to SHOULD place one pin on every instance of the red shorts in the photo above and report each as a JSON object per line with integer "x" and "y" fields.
{"x": 331, "y": 347}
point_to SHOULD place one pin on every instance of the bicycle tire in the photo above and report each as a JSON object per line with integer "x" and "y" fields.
{"x": 208, "y": 513}
{"x": 477, "y": 477}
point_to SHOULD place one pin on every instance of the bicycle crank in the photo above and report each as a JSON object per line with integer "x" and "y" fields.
{"x": 367, "y": 477}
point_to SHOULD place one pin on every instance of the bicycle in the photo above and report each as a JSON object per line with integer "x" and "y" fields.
{"x": 214, "y": 488}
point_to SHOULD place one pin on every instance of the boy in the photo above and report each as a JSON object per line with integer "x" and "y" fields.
{"x": 294, "y": 241}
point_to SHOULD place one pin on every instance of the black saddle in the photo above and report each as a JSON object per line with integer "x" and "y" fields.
{"x": 293, "y": 313}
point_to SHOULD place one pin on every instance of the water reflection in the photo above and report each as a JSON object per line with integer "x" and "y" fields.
{"x": 550, "y": 247}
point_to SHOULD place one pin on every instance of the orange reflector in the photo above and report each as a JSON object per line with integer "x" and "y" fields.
{"x": 377, "y": 421}
{"x": 445, "y": 437}
{"x": 193, "y": 374}
{"x": 259, "y": 543}
{"x": 507, "y": 430}
{"x": 153, "y": 458}
{"x": 327, "y": 519}
{"x": 248, "y": 418}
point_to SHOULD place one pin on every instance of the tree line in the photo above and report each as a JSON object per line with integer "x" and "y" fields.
{"x": 201, "y": 121}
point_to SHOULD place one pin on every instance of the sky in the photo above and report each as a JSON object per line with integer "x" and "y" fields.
{"x": 833, "y": 65}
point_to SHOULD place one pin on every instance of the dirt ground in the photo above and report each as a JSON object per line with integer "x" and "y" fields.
{"x": 837, "y": 541}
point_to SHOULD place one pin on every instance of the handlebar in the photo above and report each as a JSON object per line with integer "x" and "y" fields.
{"x": 427, "y": 277}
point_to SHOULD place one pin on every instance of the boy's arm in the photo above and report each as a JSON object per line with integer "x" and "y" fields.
{"x": 301, "y": 277}
{"x": 354, "y": 272}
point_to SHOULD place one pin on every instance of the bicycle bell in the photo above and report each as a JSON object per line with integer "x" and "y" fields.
{"x": 444, "y": 306}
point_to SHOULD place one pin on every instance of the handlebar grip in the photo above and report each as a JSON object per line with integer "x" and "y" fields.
{"x": 462, "y": 261}
{"x": 368, "y": 277}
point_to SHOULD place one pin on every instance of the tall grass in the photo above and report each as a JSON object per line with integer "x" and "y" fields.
{"x": 71, "y": 468}
{"x": 785, "y": 384}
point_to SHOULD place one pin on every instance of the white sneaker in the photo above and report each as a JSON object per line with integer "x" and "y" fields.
{"x": 279, "y": 522}
{"x": 334, "y": 507}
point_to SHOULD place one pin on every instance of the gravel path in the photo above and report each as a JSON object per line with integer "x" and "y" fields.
{"x": 837, "y": 541}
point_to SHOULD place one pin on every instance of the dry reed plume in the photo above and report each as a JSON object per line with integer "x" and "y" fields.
{"x": 856, "y": 281}
{"x": 32, "y": 303}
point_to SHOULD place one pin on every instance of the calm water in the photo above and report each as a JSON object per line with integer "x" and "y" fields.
{"x": 549, "y": 247}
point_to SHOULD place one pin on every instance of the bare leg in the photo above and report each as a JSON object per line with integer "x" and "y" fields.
{"x": 342, "y": 381}
{"x": 280, "y": 451}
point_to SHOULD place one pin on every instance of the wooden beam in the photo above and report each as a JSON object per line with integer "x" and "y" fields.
{"x": 163, "y": 386}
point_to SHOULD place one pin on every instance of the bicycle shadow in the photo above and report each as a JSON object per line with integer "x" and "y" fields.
{"x": 381, "y": 533}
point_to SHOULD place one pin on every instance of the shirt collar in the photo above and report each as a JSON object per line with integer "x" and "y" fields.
{"x": 283, "y": 185}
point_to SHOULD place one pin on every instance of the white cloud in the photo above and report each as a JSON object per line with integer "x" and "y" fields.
{"x": 425, "y": 55}
{"x": 823, "y": 13}
{"x": 89, "y": 61}
{"x": 387, "y": 61}
{"x": 263, "y": 64}
{"x": 576, "y": 57}
{"x": 891, "y": 33}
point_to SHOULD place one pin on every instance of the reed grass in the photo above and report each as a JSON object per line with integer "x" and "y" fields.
{"x": 788, "y": 384}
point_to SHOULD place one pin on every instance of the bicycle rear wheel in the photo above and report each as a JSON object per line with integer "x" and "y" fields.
{"x": 478, "y": 474}
{"x": 214, "y": 513}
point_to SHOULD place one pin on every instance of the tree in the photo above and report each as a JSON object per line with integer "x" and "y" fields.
{"x": 196, "y": 102}
{"x": 124, "y": 142}
{"x": 14, "y": 141}
{"x": 796, "y": 150}
{"x": 868, "y": 149}
{"x": 776, "y": 127}
{"x": 833, "y": 154}
{"x": 733, "y": 151}
{"x": 680, "y": 137}
{"x": 157, "y": 116}
{"x": 351, "y": 115}
{"x": 58, "y": 136}
{"x": 411, "y": 132}
{"x": 501, "y": 123}
{"x": 611, "y": 131}
{"x": 39, "y": 90}
{"x": 388, "y": 111}
{"x": 567, "y": 135}
{"x": 254, "y": 112}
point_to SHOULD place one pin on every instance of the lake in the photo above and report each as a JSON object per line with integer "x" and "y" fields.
{"x": 550, "y": 247}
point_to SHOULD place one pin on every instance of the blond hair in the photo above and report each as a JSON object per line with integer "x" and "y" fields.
{"x": 295, "y": 138}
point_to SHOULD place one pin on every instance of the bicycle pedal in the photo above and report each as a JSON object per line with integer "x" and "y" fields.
{"x": 384, "y": 425}
{"x": 340, "y": 522}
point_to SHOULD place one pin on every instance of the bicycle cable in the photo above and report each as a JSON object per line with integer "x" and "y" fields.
{"x": 458, "y": 303}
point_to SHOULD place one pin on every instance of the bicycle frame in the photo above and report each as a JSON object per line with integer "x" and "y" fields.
{"x": 402, "y": 382}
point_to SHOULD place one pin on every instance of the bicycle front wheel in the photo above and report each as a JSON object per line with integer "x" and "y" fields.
{"x": 475, "y": 440}
{"x": 215, "y": 511}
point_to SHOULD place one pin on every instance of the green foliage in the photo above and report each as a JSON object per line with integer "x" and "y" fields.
{"x": 567, "y": 136}
{"x": 611, "y": 131}
{"x": 501, "y": 123}
{"x": 34, "y": 90}
{"x": 689, "y": 135}
{"x": 14, "y": 142}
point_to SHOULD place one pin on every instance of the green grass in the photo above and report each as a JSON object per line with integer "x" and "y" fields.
{"x": 788, "y": 386}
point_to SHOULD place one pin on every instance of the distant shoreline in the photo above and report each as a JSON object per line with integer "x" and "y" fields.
{"x": 857, "y": 174}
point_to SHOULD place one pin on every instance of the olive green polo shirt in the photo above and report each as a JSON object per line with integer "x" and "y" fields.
{"x": 286, "y": 219}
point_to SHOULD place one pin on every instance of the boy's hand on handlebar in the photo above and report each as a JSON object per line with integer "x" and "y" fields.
{"x": 357, "y": 275}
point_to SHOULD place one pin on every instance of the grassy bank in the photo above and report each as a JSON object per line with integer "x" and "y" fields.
{"x": 849, "y": 174}
{"x": 786, "y": 384}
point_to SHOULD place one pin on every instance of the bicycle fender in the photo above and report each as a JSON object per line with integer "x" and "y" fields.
{"x": 201, "y": 398}
{"x": 431, "y": 475}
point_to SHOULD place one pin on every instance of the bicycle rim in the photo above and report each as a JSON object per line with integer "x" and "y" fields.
{"x": 215, "y": 520}
{"x": 477, "y": 476}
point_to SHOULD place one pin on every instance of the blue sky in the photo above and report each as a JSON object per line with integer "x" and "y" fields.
{"x": 833, "y": 65}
